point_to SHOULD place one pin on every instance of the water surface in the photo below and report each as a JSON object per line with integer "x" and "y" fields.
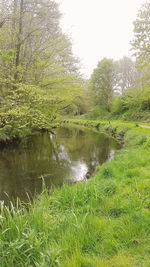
{"x": 69, "y": 155}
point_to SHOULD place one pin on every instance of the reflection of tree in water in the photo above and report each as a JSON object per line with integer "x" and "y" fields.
{"x": 90, "y": 147}
{"x": 72, "y": 151}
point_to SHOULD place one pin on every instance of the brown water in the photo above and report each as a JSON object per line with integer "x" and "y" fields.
{"x": 69, "y": 155}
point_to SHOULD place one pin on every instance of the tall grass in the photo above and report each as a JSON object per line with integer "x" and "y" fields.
{"x": 102, "y": 222}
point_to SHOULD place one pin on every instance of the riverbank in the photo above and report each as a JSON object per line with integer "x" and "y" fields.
{"x": 102, "y": 222}
{"x": 116, "y": 128}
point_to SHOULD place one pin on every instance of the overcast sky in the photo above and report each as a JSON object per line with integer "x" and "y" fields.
{"x": 99, "y": 28}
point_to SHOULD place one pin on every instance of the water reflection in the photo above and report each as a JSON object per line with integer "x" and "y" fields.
{"x": 66, "y": 156}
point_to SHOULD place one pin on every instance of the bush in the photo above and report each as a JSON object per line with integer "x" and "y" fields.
{"x": 118, "y": 106}
{"x": 25, "y": 108}
{"x": 98, "y": 112}
{"x": 134, "y": 138}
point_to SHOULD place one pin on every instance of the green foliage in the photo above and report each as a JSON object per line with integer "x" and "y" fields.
{"x": 101, "y": 82}
{"x": 135, "y": 138}
{"x": 141, "y": 44}
{"x": 123, "y": 86}
{"x": 39, "y": 78}
{"x": 118, "y": 106}
{"x": 23, "y": 110}
{"x": 98, "y": 112}
{"x": 134, "y": 104}
{"x": 30, "y": 107}
{"x": 137, "y": 99}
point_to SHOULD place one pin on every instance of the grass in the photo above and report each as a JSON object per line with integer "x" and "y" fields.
{"x": 99, "y": 223}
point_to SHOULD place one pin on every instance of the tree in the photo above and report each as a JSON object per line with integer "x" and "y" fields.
{"x": 141, "y": 41}
{"x": 141, "y": 45}
{"x": 40, "y": 48}
{"x": 39, "y": 77}
{"x": 126, "y": 74}
{"x": 102, "y": 82}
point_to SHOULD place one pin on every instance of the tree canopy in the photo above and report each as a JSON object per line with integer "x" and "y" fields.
{"x": 141, "y": 41}
{"x": 39, "y": 76}
{"x": 102, "y": 82}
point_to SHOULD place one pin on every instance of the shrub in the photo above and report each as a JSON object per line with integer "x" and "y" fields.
{"x": 133, "y": 138}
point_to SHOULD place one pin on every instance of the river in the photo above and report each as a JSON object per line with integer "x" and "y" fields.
{"x": 68, "y": 155}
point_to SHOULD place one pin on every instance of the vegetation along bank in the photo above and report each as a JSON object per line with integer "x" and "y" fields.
{"x": 102, "y": 222}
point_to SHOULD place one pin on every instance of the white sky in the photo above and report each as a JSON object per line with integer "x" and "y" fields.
{"x": 99, "y": 28}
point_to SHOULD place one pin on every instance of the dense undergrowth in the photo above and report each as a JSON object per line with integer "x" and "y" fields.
{"x": 102, "y": 222}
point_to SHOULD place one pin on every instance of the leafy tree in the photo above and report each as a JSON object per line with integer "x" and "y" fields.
{"x": 33, "y": 33}
{"x": 141, "y": 41}
{"x": 39, "y": 77}
{"x": 141, "y": 45}
{"x": 102, "y": 83}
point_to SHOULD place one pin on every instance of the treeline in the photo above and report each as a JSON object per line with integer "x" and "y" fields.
{"x": 39, "y": 76}
{"x": 121, "y": 89}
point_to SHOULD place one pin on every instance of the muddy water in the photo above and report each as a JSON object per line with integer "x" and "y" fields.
{"x": 70, "y": 154}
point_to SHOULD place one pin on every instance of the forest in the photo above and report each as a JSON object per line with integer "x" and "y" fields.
{"x": 40, "y": 78}
{"x": 102, "y": 220}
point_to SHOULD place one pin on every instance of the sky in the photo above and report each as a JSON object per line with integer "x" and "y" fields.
{"x": 99, "y": 28}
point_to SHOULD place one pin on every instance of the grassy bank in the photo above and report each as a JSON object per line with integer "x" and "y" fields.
{"x": 102, "y": 222}
{"x": 114, "y": 127}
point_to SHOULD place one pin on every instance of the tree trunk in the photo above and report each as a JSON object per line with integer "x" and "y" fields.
{"x": 18, "y": 45}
